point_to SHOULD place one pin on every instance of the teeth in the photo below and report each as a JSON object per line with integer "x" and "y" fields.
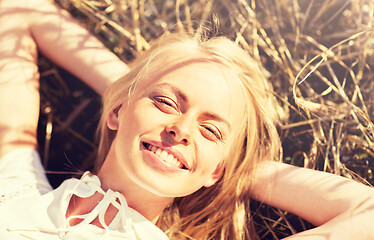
{"x": 153, "y": 148}
{"x": 170, "y": 158}
{"x": 164, "y": 155}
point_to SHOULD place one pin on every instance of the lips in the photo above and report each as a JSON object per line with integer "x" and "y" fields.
{"x": 169, "y": 156}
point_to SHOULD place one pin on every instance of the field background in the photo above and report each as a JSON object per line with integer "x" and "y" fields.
{"x": 319, "y": 55}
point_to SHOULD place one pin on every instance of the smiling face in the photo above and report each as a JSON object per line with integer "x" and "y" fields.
{"x": 176, "y": 129}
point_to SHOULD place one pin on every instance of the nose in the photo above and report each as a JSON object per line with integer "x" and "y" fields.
{"x": 180, "y": 130}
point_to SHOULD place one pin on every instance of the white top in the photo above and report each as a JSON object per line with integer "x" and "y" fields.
{"x": 30, "y": 209}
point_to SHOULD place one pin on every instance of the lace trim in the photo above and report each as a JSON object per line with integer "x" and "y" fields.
{"x": 110, "y": 198}
{"x": 20, "y": 192}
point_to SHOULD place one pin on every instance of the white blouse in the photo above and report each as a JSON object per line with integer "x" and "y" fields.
{"x": 30, "y": 209}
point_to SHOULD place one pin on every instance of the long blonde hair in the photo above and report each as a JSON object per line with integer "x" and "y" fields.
{"x": 221, "y": 211}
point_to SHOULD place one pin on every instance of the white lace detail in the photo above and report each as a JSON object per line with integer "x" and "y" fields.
{"x": 110, "y": 197}
{"x": 21, "y": 174}
{"x": 17, "y": 191}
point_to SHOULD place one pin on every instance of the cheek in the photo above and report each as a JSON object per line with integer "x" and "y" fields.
{"x": 219, "y": 153}
{"x": 130, "y": 127}
{"x": 138, "y": 118}
{"x": 210, "y": 156}
{"x": 146, "y": 115}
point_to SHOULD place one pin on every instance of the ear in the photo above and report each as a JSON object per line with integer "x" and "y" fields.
{"x": 216, "y": 175}
{"x": 112, "y": 121}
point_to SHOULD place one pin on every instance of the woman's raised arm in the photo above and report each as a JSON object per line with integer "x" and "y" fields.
{"x": 27, "y": 26}
{"x": 341, "y": 208}
{"x": 60, "y": 38}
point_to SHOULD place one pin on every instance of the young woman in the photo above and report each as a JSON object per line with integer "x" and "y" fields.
{"x": 186, "y": 137}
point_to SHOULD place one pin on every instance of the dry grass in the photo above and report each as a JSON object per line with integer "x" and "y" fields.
{"x": 318, "y": 53}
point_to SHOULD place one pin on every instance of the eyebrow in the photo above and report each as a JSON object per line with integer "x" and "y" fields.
{"x": 178, "y": 92}
{"x": 211, "y": 115}
{"x": 217, "y": 118}
{"x": 175, "y": 90}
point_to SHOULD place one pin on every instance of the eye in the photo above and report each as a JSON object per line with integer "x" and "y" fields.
{"x": 165, "y": 104}
{"x": 211, "y": 133}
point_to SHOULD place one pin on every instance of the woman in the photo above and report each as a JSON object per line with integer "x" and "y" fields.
{"x": 185, "y": 139}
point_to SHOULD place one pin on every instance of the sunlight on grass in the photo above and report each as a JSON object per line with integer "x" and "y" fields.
{"x": 318, "y": 55}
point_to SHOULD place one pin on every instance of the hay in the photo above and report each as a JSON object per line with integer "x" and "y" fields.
{"x": 319, "y": 55}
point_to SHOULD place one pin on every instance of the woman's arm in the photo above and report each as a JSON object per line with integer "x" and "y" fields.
{"x": 342, "y": 208}
{"x": 27, "y": 26}
{"x": 60, "y": 38}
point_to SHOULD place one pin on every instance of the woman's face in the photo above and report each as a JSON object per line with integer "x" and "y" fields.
{"x": 177, "y": 128}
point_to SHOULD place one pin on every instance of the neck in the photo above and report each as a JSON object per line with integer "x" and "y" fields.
{"x": 138, "y": 198}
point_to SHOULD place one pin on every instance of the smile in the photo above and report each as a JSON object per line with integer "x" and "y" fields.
{"x": 164, "y": 155}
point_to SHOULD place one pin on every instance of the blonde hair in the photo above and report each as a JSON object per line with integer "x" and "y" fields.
{"x": 221, "y": 211}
